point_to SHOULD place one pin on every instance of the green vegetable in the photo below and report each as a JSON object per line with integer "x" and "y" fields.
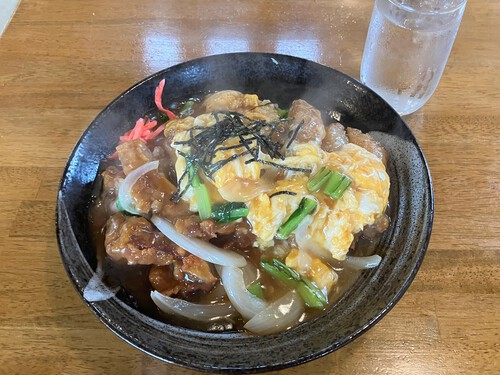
{"x": 163, "y": 117}
{"x": 312, "y": 296}
{"x": 282, "y": 113}
{"x": 306, "y": 206}
{"x": 256, "y": 289}
{"x": 187, "y": 108}
{"x": 319, "y": 179}
{"x": 200, "y": 195}
{"x": 341, "y": 188}
{"x": 333, "y": 182}
{"x": 228, "y": 212}
{"x": 280, "y": 270}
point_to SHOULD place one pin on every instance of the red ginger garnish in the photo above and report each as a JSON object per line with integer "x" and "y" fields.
{"x": 158, "y": 93}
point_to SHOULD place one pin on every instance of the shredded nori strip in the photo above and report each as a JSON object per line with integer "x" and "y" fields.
{"x": 254, "y": 136}
{"x": 283, "y": 192}
{"x": 294, "y": 134}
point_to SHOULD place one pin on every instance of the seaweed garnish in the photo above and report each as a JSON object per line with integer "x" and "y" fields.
{"x": 285, "y": 192}
{"x": 255, "y": 136}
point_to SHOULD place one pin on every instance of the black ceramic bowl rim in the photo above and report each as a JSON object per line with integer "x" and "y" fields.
{"x": 376, "y": 291}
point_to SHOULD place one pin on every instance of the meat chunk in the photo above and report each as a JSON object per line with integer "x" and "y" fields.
{"x": 152, "y": 193}
{"x": 335, "y": 137}
{"x": 135, "y": 240}
{"x": 183, "y": 278}
{"x": 366, "y": 141}
{"x": 133, "y": 154}
{"x": 312, "y": 128}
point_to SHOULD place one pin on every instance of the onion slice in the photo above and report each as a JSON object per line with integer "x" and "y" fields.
{"x": 245, "y": 302}
{"x": 195, "y": 311}
{"x": 242, "y": 190}
{"x": 306, "y": 243}
{"x": 362, "y": 263}
{"x": 278, "y": 316}
{"x": 126, "y": 186}
{"x": 202, "y": 249}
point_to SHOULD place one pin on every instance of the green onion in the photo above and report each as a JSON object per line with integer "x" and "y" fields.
{"x": 319, "y": 179}
{"x": 282, "y": 113}
{"x": 341, "y": 188}
{"x": 200, "y": 195}
{"x": 280, "y": 270}
{"x": 228, "y": 212}
{"x": 187, "y": 108}
{"x": 310, "y": 293}
{"x": 312, "y": 296}
{"x": 333, "y": 182}
{"x": 306, "y": 206}
{"x": 163, "y": 117}
{"x": 256, "y": 289}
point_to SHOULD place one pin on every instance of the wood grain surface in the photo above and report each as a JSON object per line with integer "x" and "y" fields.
{"x": 62, "y": 61}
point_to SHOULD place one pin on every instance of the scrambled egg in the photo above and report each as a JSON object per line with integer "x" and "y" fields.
{"x": 334, "y": 222}
{"x": 267, "y": 211}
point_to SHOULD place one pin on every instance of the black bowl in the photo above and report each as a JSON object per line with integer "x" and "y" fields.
{"x": 280, "y": 79}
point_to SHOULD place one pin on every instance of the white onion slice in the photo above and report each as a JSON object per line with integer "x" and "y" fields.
{"x": 305, "y": 242}
{"x": 195, "y": 311}
{"x": 362, "y": 263}
{"x": 126, "y": 186}
{"x": 245, "y": 302}
{"x": 240, "y": 190}
{"x": 250, "y": 273}
{"x": 202, "y": 249}
{"x": 278, "y": 316}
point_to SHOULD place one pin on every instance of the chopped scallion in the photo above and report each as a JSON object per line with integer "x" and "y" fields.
{"x": 200, "y": 195}
{"x": 340, "y": 190}
{"x": 228, "y": 212}
{"x": 187, "y": 108}
{"x": 256, "y": 289}
{"x": 306, "y": 206}
{"x": 312, "y": 296}
{"x": 282, "y": 113}
{"x": 333, "y": 182}
{"x": 319, "y": 179}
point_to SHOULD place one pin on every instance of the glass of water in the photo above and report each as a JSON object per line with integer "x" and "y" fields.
{"x": 407, "y": 47}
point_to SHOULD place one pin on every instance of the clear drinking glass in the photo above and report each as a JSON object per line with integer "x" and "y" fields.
{"x": 407, "y": 47}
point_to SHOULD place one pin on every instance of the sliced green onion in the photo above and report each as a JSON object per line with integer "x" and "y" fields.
{"x": 319, "y": 179}
{"x": 163, "y": 117}
{"x": 228, "y": 212}
{"x": 256, "y": 289}
{"x": 333, "y": 182}
{"x": 312, "y": 296}
{"x": 306, "y": 206}
{"x": 187, "y": 108}
{"x": 200, "y": 195}
{"x": 280, "y": 270}
{"x": 310, "y": 293}
{"x": 282, "y": 113}
{"x": 341, "y": 188}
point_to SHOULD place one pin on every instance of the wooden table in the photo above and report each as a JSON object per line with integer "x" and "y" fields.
{"x": 61, "y": 62}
